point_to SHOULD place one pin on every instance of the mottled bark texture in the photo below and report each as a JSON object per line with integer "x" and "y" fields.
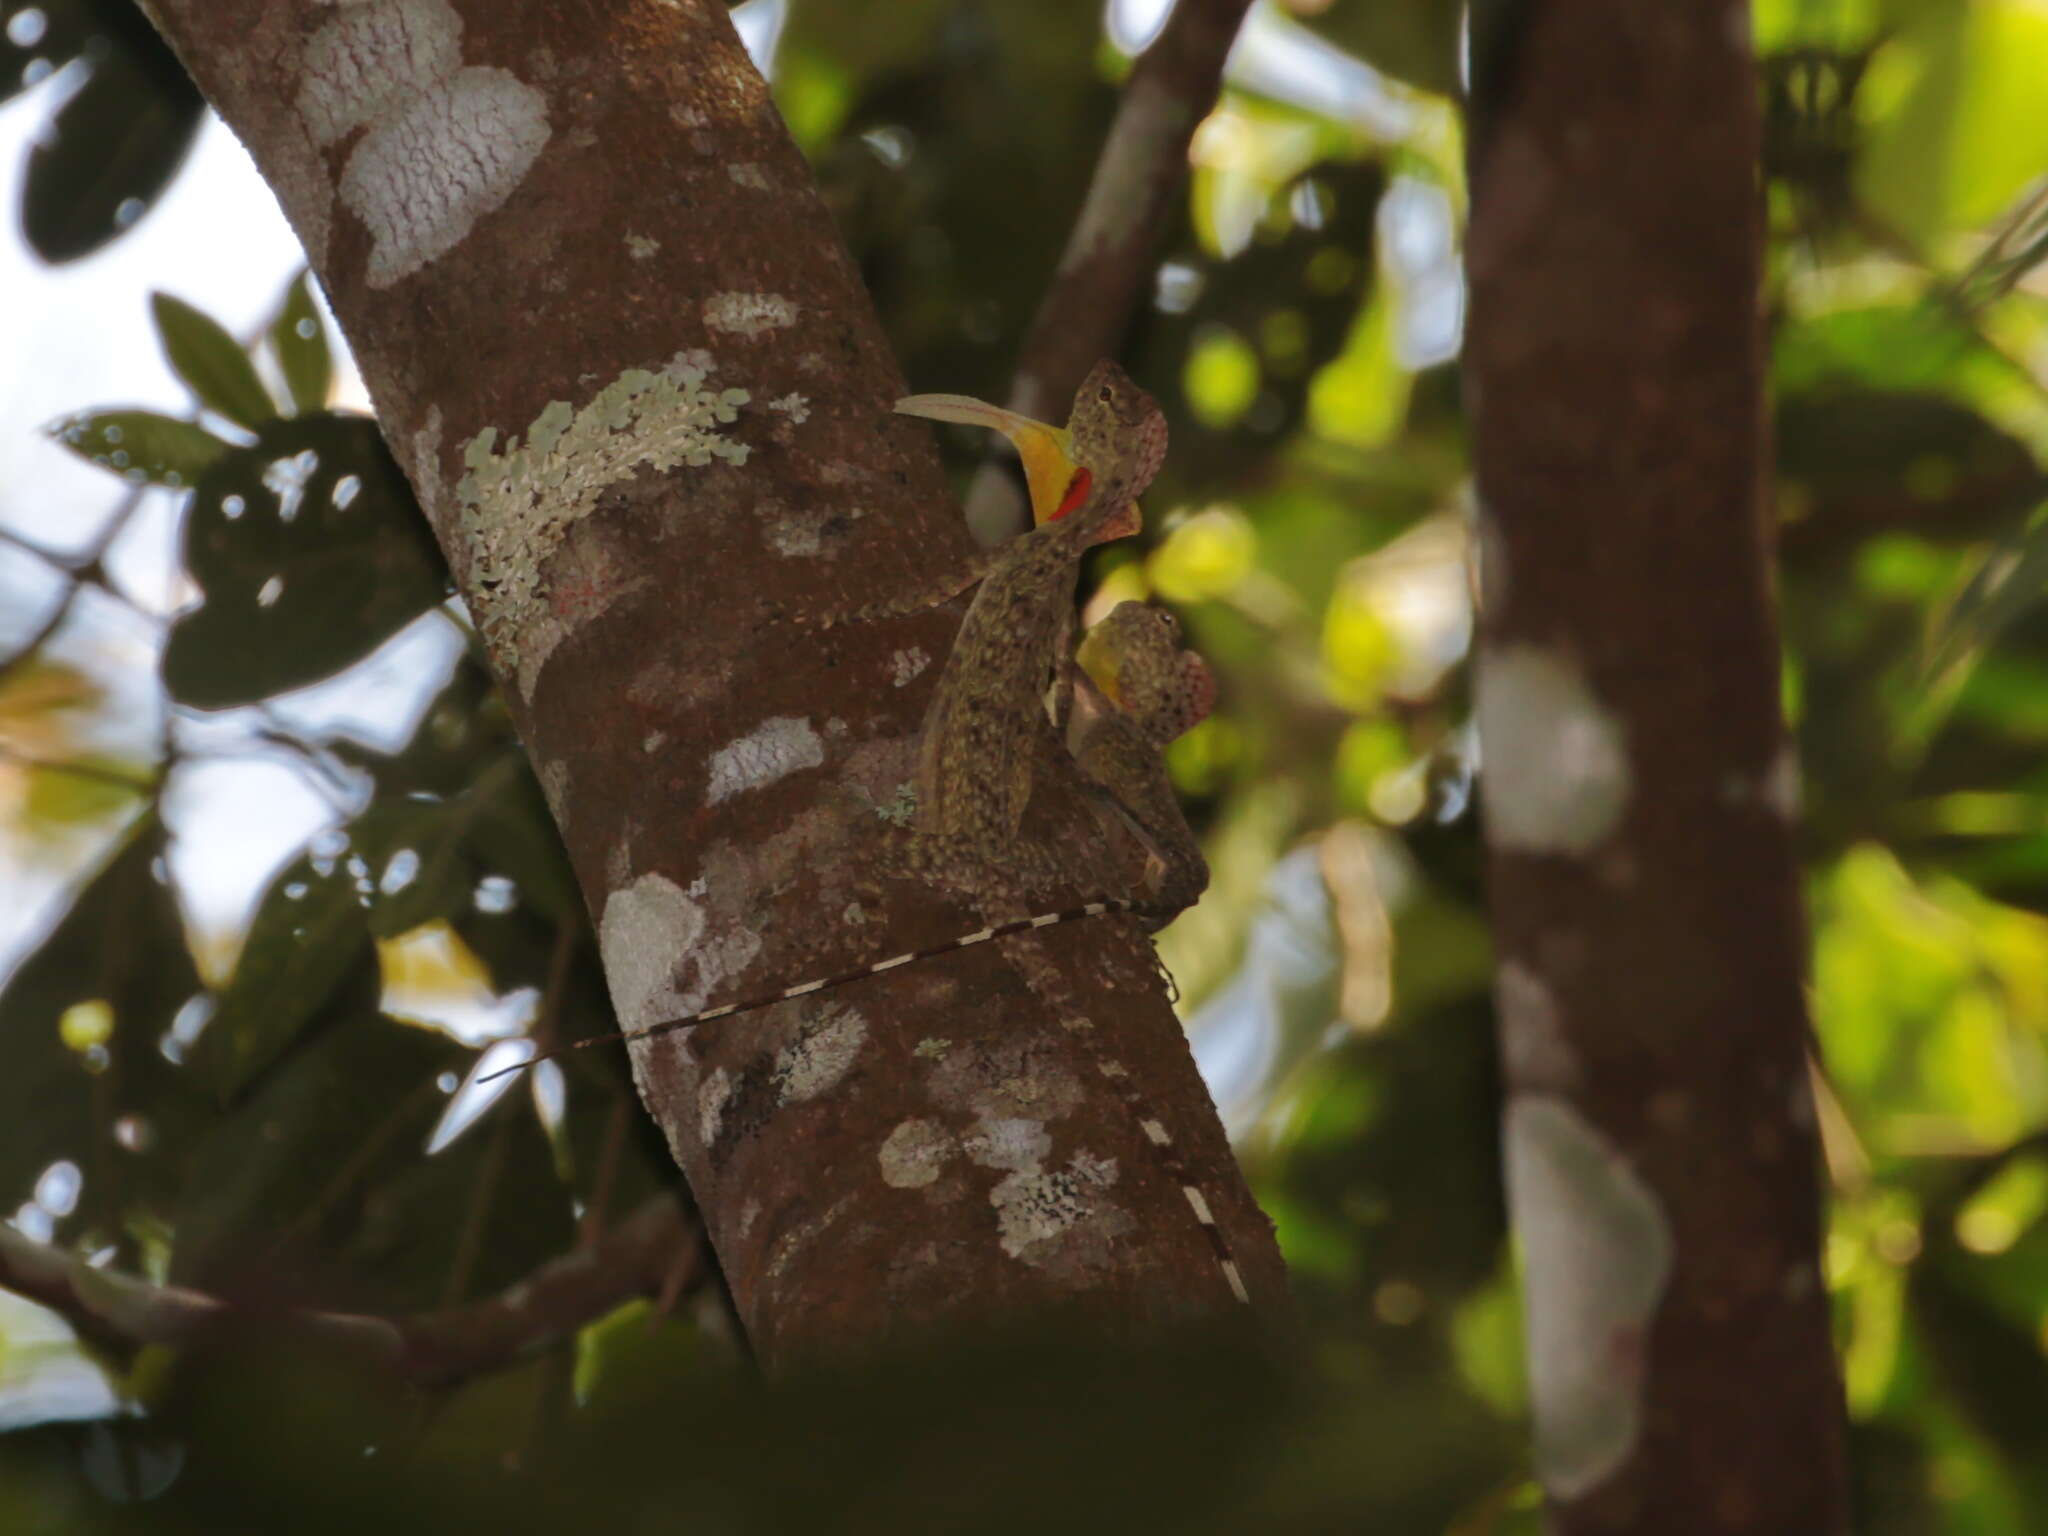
{"x": 1113, "y": 250}
{"x": 1639, "y": 791}
{"x": 616, "y": 343}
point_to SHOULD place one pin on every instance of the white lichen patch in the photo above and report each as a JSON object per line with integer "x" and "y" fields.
{"x": 749, "y": 314}
{"x": 445, "y": 143}
{"x": 799, "y": 1238}
{"x": 799, "y": 535}
{"x": 792, "y": 405}
{"x": 1557, "y": 774}
{"x": 426, "y": 461}
{"x": 554, "y": 788}
{"x": 775, "y": 749}
{"x": 820, "y": 1057}
{"x": 1781, "y": 789}
{"x": 647, "y": 929}
{"x": 519, "y": 504}
{"x": 1034, "y": 1207}
{"x": 915, "y": 1154}
{"x": 744, "y": 173}
{"x": 641, "y": 247}
{"x": 1012, "y": 1144}
{"x": 371, "y": 56}
{"x": 1596, "y": 1257}
{"x": 906, "y": 664}
{"x": 1532, "y": 1034}
{"x": 713, "y": 1094}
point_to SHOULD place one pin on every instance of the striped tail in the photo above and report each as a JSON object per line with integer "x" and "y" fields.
{"x": 859, "y": 973}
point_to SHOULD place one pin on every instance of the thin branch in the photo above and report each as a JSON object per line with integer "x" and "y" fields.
{"x": 639, "y": 1257}
{"x": 1108, "y": 263}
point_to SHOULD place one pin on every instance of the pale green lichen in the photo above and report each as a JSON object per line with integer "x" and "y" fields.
{"x": 519, "y": 503}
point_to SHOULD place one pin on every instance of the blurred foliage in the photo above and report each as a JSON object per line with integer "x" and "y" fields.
{"x": 114, "y": 138}
{"x": 253, "y": 1119}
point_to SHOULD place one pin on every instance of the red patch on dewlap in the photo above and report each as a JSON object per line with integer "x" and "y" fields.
{"x": 1077, "y": 492}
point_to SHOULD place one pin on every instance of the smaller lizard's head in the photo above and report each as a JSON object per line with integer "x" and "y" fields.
{"x": 1118, "y": 439}
{"x": 1134, "y": 658}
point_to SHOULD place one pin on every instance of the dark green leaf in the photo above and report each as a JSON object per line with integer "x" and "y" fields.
{"x": 58, "y": 35}
{"x": 2011, "y": 582}
{"x": 299, "y": 342}
{"x": 211, "y": 362}
{"x": 1413, "y": 40}
{"x": 142, "y": 446}
{"x": 276, "y": 1168}
{"x": 310, "y": 934}
{"x": 120, "y": 942}
{"x": 417, "y": 867}
{"x": 517, "y": 838}
{"x": 310, "y": 552}
{"x": 113, "y": 145}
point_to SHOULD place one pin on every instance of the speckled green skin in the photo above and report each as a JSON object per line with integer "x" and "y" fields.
{"x": 1160, "y": 691}
{"x": 974, "y": 766}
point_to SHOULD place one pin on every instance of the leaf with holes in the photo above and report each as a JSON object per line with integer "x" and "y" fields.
{"x": 299, "y": 343}
{"x": 39, "y": 35}
{"x": 211, "y": 362}
{"x": 142, "y": 446}
{"x": 310, "y": 939}
{"x": 115, "y": 142}
{"x": 311, "y": 553}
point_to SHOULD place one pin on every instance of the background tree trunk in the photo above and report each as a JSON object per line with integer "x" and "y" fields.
{"x": 616, "y": 344}
{"x": 1639, "y": 790}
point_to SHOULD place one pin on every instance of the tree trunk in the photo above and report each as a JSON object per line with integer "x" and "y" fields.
{"x": 1639, "y": 789}
{"x": 616, "y": 344}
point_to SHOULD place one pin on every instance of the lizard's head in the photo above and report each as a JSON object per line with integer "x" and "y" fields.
{"x": 1117, "y": 436}
{"x": 1134, "y": 659}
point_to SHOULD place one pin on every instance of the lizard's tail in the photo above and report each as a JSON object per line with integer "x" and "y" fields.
{"x": 965, "y": 941}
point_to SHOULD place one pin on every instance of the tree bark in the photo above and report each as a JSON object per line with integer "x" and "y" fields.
{"x": 616, "y": 344}
{"x": 1639, "y": 790}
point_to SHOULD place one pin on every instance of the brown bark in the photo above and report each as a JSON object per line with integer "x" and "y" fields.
{"x": 512, "y": 205}
{"x": 1639, "y": 792}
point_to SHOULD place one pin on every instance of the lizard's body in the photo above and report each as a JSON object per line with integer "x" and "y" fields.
{"x": 981, "y": 733}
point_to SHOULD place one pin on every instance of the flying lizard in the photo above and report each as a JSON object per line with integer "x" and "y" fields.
{"x": 1132, "y": 691}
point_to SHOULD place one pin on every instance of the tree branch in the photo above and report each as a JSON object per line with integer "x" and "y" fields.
{"x": 1639, "y": 790}
{"x": 1111, "y": 252}
{"x": 642, "y": 1256}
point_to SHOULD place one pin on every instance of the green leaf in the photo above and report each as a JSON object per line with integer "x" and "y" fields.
{"x": 413, "y": 851}
{"x": 299, "y": 342}
{"x": 212, "y": 364}
{"x": 516, "y": 836}
{"x": 1958, "y": 130}
{"x": 1413, "y": 40}
{"x": 142, "y": 446}
{"x": 310, "y": 934}
{"x": 265, "y": 1179}
{"x": 113, "y": 145}
{"x": 2010, "y": 583}
{"x": 120, "y": 948}
{"x": 55, "y": 39}
{"x": 310, "y": 552}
